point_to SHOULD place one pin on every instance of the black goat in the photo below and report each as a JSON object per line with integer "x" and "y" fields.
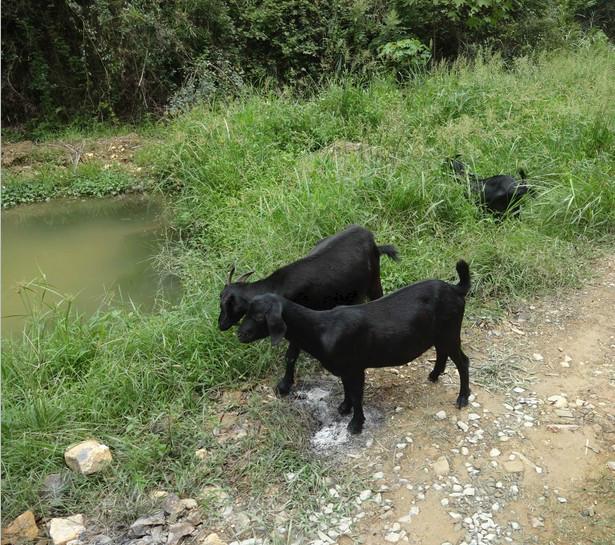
{"x": 343, "y": 269}
{"x": 499, "y": 194}
{"x": 390, "y": 331}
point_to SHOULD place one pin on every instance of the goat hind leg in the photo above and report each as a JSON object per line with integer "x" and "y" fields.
{"x": 440, "y": 365}
{"x": 463, "y": 367}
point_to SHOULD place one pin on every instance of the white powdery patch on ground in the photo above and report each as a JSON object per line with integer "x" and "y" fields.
{"x": 321, "y": 399}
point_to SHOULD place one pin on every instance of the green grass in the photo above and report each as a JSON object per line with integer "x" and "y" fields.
{"x": 262, "y": 179}
{"x": 87, "y": 180}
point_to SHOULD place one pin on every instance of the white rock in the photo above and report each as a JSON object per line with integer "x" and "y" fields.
{"x": 611, "y": 465}
{"x": 515, "y": 525}
{"x": 63, "y": 530}
{"x": 378, "y": 475}
{"x": 365, "y": 495}
{"x": 537, "y": 357}
{"x": 392, "y": 537}
{"x": 518, "y": 390}
{"x": 470, "y": 491}
{"x": 444, "y": 502}
{"x": 473, "y": 416}
{"x": 562, "y": 500}
{"x": 455, "y": 516}
{"x": 414, "y": 510}
{"x": 441, "y": 467}
{"x": 395, "y": 527}
{"x": 88, "y": 457}
{"x": 494, "y": 452}
{"x": 440, "y": 415}
{"x": 559, "y": 402}
{"x": 462, "y": 425}
{"x": 465, "y": 451}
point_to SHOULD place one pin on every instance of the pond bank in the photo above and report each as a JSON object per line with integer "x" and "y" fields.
{"x": 86, "y": 167}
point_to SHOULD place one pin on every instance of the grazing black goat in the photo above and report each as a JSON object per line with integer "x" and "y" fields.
{"x": 392, "y": 330}
{"x": 499, "y": 194}
{"x": 343, "y": 269}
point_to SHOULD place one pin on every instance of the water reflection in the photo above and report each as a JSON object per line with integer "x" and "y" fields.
{"x": 95, "y": 250}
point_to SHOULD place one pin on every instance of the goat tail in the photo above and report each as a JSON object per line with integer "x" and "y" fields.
{"x": 522, "y": 174}
{"x": 389, "y": 250}
{"x": 463, "y": 270}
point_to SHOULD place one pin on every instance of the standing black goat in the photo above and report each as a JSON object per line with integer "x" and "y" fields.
{"x": 343, "y": 269}
{"x": 390, "y": 331}
{"x": 499, "y": 194}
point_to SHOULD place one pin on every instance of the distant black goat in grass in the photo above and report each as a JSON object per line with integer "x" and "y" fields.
{"x": 499, "y": 194}
{"x": 343, "y": 269}
{"x": 392, "y": 330}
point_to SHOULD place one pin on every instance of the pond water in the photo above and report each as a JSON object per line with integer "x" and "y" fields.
{"x": 100, "y": 251}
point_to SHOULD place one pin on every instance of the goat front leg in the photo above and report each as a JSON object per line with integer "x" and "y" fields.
{"x": 285, "y": 384}
{"x": 345, "y": 406}
{"x": 354, "y": 383}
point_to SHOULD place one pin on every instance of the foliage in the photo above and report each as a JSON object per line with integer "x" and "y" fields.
{"x": 126, "y": 59}
{"x": 91, "y": 180}
{"x": 405, "y": 55}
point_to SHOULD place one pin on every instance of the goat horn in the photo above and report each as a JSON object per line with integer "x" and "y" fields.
{"x": 244, "y": 276}
{"x": 230, "y": 275}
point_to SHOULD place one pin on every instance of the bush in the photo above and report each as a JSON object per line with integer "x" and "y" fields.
{"x": 126, "y": 59}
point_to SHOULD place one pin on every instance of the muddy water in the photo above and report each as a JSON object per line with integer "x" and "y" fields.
{"x": 100, "y": 251}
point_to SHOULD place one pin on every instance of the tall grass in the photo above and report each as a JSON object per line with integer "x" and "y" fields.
{"x": 262, "y": 180}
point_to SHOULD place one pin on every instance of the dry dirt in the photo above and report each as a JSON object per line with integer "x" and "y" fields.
{"x": 548, "y": 481}
{"x": 27, "y": 157}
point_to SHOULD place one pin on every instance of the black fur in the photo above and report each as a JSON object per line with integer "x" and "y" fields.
{"x": 392, "y": 330}
{"x": 499, "y": 194}
{"x": 343, "y": 269}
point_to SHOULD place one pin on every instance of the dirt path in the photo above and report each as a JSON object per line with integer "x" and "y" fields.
{"x": 526, "y": 462}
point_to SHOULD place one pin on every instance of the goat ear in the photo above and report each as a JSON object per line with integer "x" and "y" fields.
{"x": 275, "y": 323}
{"x": 229, "y": 278}
{"x": 244, "y": 276}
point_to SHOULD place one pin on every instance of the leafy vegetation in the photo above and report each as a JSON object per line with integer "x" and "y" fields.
{"x": 91, "y": 180}
{"x": 262, "y": 179}
{"x": 130, "y": 59}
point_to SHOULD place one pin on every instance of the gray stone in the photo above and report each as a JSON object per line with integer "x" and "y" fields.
{"x": 178, "y": 531}
{"x": 142, "y": 525}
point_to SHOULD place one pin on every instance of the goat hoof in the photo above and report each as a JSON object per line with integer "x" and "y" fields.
{"x": 462, "y": 401}
{"x": 355, "y": 427}
{"x": 433, "y": 376}
{"x": 283, "y": 388}
{"x": 344, "y": 408}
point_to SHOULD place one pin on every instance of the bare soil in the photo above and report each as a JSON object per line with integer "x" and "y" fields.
{"x": 27, "y": 157}
{"x": 548, "y": 480}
